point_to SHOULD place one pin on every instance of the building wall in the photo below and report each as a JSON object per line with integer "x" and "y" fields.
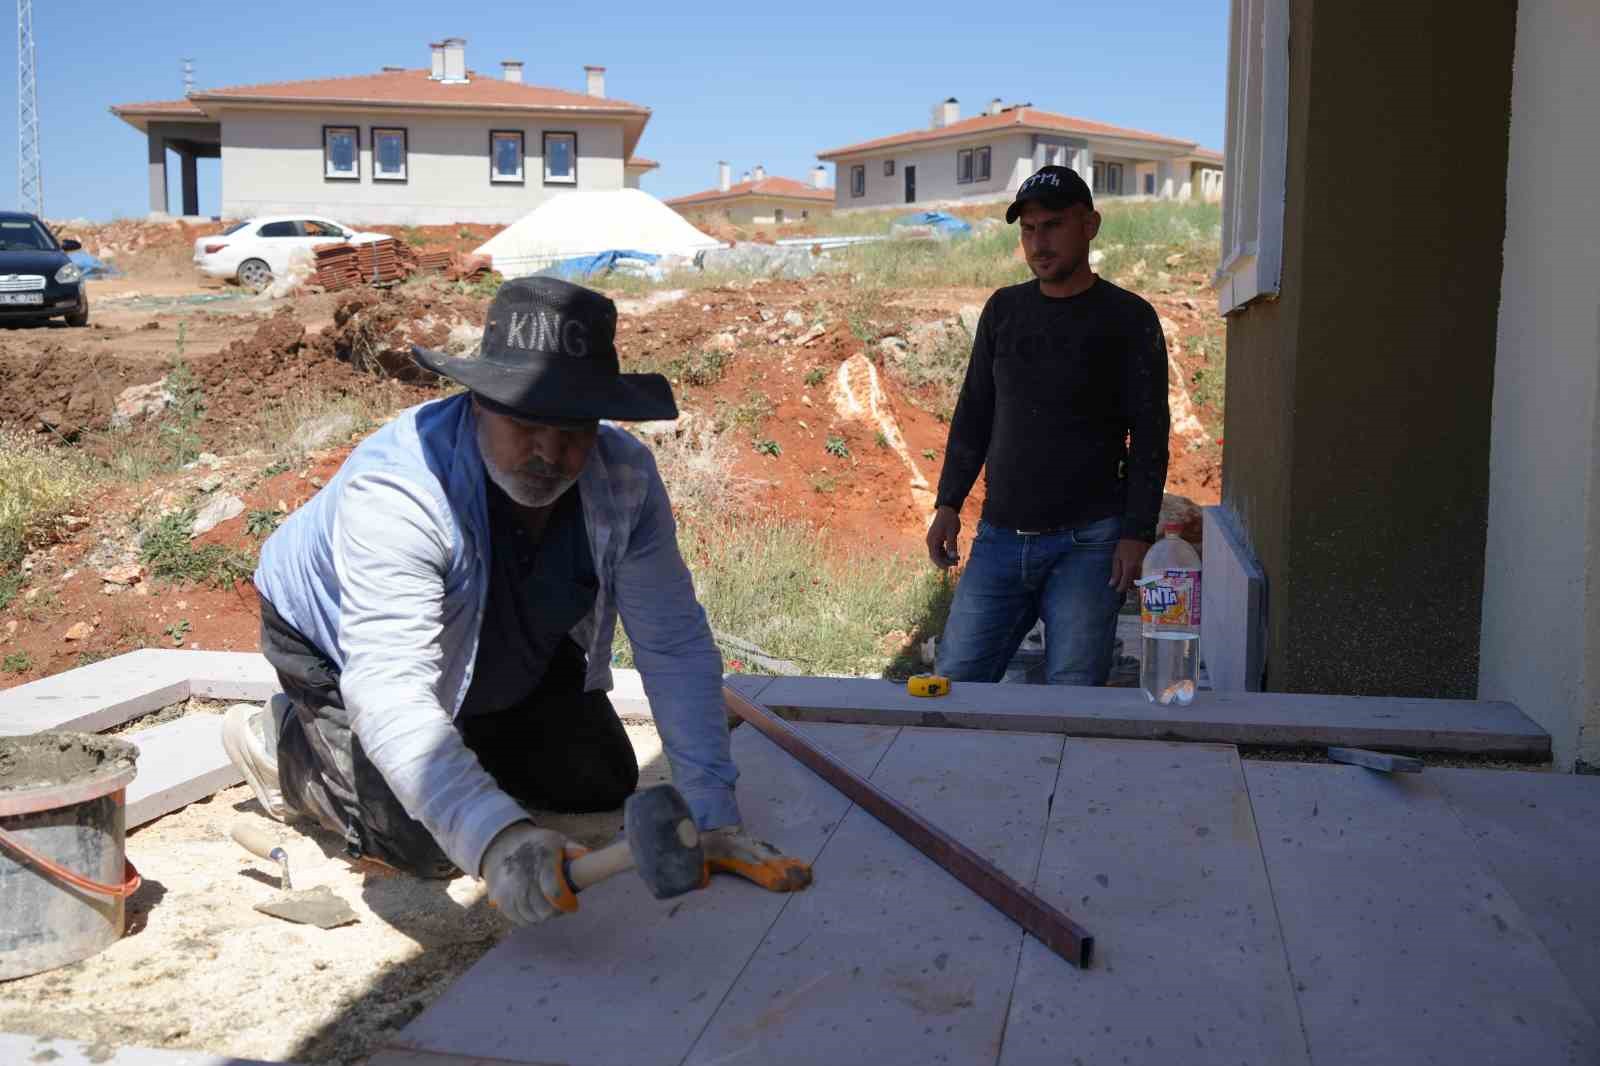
{"x": 1358, "y": 402}
{"x": 1541, "y": 604}
{"x": 1011, "y": 160}
{"x": 272, "y": 164}
{"x": 759, "y": 211}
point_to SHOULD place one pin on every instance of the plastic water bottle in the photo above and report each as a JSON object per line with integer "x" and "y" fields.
{"x": 1169, "y": 607}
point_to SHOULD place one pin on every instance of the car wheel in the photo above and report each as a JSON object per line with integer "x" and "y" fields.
{"x": 254, "y": 275}
{"x": 80, "y": 318}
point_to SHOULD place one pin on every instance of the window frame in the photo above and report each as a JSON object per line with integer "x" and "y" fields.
{"x": 294, "y": 230}
{"x": 888, "y": 168}
{"x": 405, "y": 154}
{"x": 858, "y": 180}
{"x": 327, "y": 154}
{"x": 986, "y": 153}
{"x": 964, "y": 155}
{"x": 777, "y": 216}
{"x": 495, "y": 177}
{"x": 544, "y": 156}
{"x": 1255, "y": 154}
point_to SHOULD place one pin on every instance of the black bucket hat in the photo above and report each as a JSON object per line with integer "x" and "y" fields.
{"x": 549, "y": 352}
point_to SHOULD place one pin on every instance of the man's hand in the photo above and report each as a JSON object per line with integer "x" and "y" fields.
{"x": 730, "y": 850}
{"x": 523, "y": 870}
{"x": 942, "y": 535}
{"x": 1125, "y": 563}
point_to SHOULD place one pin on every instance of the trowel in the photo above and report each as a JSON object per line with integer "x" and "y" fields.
{"x": 310, "y": 906}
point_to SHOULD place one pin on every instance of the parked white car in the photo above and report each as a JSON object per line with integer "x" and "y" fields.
{"x": 260, "y": 249}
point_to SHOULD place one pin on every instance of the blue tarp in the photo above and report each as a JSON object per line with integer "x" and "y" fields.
{"x": 587, "y": 266}
{"x": 92, "y": 267}
{"x": 949, "y": 225}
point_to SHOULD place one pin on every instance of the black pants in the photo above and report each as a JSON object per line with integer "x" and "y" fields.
{"x": 564, "y": 749}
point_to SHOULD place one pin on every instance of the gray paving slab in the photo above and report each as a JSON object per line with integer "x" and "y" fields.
{"x": 1269, "y": 718}
{"x": 629, "y": 979}
{"x": 1540, "y": 834}
{"x": 887, "y": 958}
{"x": 1403, "y": 945}
{"x": 1152, "y": 847}
{"x": 180, "y": 761}
{"x": 230, "y": 675}
{"x": 99, "y": 696}
{"x": 17, "y": 1050}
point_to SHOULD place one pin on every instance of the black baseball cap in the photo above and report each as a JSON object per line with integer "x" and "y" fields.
{"x": 1052, "y": 186}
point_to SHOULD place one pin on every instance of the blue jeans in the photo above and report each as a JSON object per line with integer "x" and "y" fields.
{"x": 1012, "y": 580}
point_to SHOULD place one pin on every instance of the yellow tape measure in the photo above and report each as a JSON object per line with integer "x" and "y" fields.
{"x": 928, "y": 685}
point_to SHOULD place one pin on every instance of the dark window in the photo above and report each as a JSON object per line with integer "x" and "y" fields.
{"x": 804, "y": 213}
{"x": 389, "y": 155}
{"x": 561, "y": 159}
{"x": 964, "y": 166}
{"x": 777, "y": 215}
{"x": 1149, "y": 184}
{"x": 278, "y": 229}
{"x": 858, "y": 181}
{"x": 888, "y": 168}
{"x": 505, "y": 156}
{"x": 341, "y": 153}
{"x": 980, "y": 164}
{"x": 312, "y": 228}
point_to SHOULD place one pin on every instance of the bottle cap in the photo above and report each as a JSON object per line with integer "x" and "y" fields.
{"x": 1172, "y": 527}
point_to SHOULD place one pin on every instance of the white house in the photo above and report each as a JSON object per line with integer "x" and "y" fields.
{"x": 759, "y": 199}
{"x": 986, "y": 157}
{"x": 403, "y": 146}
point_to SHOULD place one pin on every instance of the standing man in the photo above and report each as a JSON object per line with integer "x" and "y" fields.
{"x": 441, "y": 618}
{"x": 1065, "y": 408}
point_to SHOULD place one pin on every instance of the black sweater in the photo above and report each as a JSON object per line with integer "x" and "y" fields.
{"x": 1065, "y": 407}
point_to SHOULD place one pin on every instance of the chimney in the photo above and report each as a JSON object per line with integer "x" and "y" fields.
{"x": 436, "y": 69}
{"x": 455, "y": 60}
{"x": 760, "y": 173}
{"x": 723, "y": 179}
{"x": 995, "y": 106}
{"x": 947, "y": 113}
{"x": 596, "y": 79}
{"x": 511, "y": 70}
{"x": 819, "y": 177}
{"x": 394, "y": 70}
{"x": 746, "y": 177}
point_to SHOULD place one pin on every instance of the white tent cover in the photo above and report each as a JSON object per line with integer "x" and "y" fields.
{"x": 587, "y": 223}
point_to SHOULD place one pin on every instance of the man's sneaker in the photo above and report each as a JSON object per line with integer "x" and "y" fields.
{"x": 251, "y": 742}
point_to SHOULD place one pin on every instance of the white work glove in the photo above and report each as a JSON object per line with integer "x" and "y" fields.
{"x": 523, "y": 869}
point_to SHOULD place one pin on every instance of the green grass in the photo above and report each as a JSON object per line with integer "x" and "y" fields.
{"x": 166, "y": 549}
{"x": 837, "y": 447}
{"x": 983, "y": 260}
{"x": 777, "y": 585}
{"x": 815, "y": 376}
{"x": 1208, "y": 384}
{"x": 943, "y": 367}
{"x": 18, "y": 662}
{"x": 1150, "y": 231}
{"x": 261, "y": 522}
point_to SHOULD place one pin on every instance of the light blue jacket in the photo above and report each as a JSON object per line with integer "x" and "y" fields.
{"x": 386, "y": 569}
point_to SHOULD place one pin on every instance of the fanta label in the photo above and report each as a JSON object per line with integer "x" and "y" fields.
{"x": 1173, "y": 601}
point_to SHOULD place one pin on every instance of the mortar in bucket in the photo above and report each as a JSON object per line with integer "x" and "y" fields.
{"x": 64, "y": 876}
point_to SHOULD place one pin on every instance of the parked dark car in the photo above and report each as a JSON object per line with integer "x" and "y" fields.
{"x": 37, "y": 280}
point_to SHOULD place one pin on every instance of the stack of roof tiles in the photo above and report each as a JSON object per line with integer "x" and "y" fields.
{"x": 434, "y": 262}
{"x": 380, "y": 262}
{"x": 337, "y": 267}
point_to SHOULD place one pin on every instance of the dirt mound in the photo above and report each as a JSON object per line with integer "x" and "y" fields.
{"x": 52, "y": 387}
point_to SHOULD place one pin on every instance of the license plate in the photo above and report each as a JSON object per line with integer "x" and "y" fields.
{"x": 21, "y": 297}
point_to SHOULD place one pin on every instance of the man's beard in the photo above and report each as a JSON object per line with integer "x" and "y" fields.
{"x": 534, "y": 484}
{"x": 1060, "y": 272}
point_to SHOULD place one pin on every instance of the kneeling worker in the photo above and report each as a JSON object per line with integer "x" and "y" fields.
{"x": 441, "y": 618}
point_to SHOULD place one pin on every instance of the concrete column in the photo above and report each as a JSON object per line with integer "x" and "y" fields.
{"x": 1085, "y": 166}
{"x": 1166, "y": 181}
{"x": 191, "y": 183}
{"x": 158, "y": 173}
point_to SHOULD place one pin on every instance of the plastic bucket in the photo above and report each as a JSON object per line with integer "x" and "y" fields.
{"x": 64, "y": 876}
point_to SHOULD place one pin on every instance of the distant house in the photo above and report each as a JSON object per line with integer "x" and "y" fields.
{"x": 759, "y": 199}
{"x": 403, "y": 146}
{"x": 988, "y": 156}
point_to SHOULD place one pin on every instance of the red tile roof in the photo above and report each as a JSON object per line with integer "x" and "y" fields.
{"x": 785, "y": 188}
{"x": 1210, "y": 155}
{"x": 1016, "y": 119}
{"x": 401, "y": 87}
{"x": 160, "y": 107}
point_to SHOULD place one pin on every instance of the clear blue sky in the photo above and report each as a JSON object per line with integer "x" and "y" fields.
{"x": 751, "y": 83}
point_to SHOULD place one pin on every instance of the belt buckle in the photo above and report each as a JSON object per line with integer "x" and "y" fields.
{"x": 1031, "y": 532}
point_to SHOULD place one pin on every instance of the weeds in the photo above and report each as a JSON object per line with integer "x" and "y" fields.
{"x": 700, "y": 370}
{"x": 18, "y": 662}
{"x": 755, "y": 410}
{"x": 778, "y": 585}
{"x": 767, "y": 447}
{"x": 1208, "y": 384}
{"x": 815, "y": 376}
{"x": 929, "y": 454}
{"x": 943, "y": 367}
{"x": 261, "y": 523}
{"x": 881, "y": 439}
{"x": 166, "y": 549}
{"x": 823, "y": 482}
{"x": 177, "y": 630}
{"x": 837, "y": 447}
{"x": 39, "y": 485}
{"x": 180, "y": 429}
{"x": 11, "y": 584}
